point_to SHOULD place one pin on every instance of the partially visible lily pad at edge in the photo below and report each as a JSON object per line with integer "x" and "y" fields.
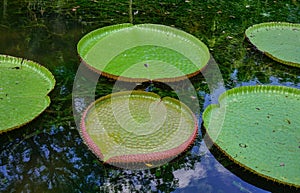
{"x": 278, "y": 40}
{"x": 258, "y": 128}
{"x": 24, "y": 86}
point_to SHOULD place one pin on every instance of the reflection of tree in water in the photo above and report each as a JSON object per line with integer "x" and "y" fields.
{"x": 161, "y": 179}
{"x": 53, "y": 160}
{"x": 269, "y": 72}
{"x": 58, "y": 161}
{"x": 139, "y": 181}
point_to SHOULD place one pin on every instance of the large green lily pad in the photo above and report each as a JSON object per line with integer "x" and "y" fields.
{"x": 143, "y": 52}
{"x": 24, "y": 86}
{"x": 137, "y": 128}
{"x": 280, "y": 41}
{"x": 258, "y": 127}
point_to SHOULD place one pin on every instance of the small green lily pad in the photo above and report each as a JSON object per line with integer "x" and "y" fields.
{"x": 137, "y": 127}
{"x": 278, "y": 40}
{"x": 24, "y": 86}
{"x": 258, "y": 127}
{"x": 143, "y": 52}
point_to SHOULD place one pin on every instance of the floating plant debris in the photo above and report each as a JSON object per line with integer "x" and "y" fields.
{"x": 24, "y": 86}
{"x": 123, "y": 51}
{"x": 138, "y": 129}
{"x": 248, "y": 136}
{"x": 278, "y": 40}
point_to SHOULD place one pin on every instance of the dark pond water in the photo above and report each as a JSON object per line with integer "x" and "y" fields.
{"x": 48, "y": 155}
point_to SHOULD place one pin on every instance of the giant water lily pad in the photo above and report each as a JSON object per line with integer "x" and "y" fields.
{"x": 258, "y": 127}
{"x": 280, "y": 41}
{"x": 137, "y": 129}
{"x": 143, "y": 52}
{"x": 24, "y": 86}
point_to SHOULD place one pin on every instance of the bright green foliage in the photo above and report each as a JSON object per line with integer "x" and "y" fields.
{"x": 24, "y": 86}
{"x": 258, "y": 128}
{"x": 143, "y": 52}
{"x": 280, "y": 41}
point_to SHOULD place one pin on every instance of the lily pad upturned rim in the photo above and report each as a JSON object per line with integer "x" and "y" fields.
{"x": 244, "y": 90}
{"x": 85, "y": 44}
{"x": 19, "y": 62}
{"x": 289, "y": 26}
{"x": 139, "y": 157}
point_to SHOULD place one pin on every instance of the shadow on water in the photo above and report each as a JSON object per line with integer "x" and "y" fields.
{"x": 48, "y": 155}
